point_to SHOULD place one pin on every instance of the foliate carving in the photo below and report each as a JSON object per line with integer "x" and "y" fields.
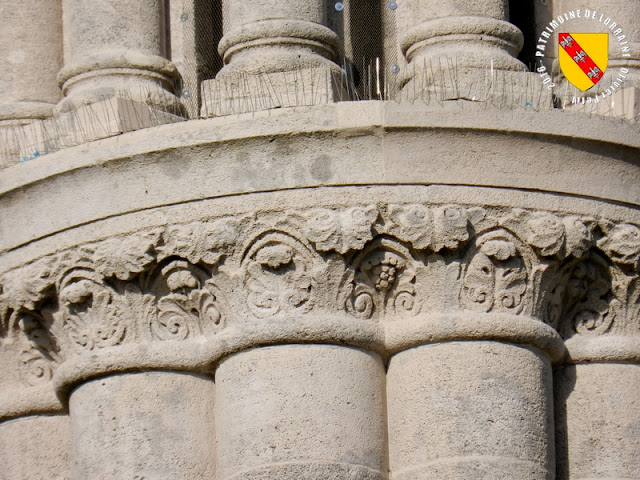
{"x": 92, "y": 315}
{"x": 384, "y": 281}
{"x": 205, "y": 242}
{"x": 185, "y": 282}
{"x": 186, "y": 307}
{"x": 549, "y": 234}
{"x": 588, "y": 302}
{"x": 279, "y": 276}
{"x": 340, "y": 231}
{"x": 411, "y": 223}
{"x": 496, "y": 275}
{"x": 578, "y": 235}
{"x": 124, "y": 257}
{"x": 621, "y": 243}
{"x": 39, "y": 357}
{"x": 451, "y": 228}
{"x": 435, "y": 228}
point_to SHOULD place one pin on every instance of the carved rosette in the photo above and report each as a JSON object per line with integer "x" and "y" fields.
{"x": 387, "y": 262}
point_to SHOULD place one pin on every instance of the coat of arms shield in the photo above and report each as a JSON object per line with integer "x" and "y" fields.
{"x": 583, "y": 58}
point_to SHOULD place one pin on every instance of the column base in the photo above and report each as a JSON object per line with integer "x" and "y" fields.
{"x": 239, "y": 92}
{"x": 310, "y": 471}
{"x": 480, "y": 467}
{"x": 444, "y": 81}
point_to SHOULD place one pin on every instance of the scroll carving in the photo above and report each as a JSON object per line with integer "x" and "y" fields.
{"x": 496, "y": 275}
{"x": 40, "y": 357}
{"x": 186, "y": 307}
{"x": 279, "y": 276}
{"x": 190, "y": 281}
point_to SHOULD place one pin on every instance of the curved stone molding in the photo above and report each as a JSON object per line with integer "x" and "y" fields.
{"x": 383, "y": 277}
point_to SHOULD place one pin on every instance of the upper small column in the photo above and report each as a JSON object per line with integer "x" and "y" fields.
{"x": 30, "y": 37}
{"x": 454, "y": 45}
{"x": 117, "y": 50}
{"x": 276, "y": 54}
{"x": 30, "y": 33}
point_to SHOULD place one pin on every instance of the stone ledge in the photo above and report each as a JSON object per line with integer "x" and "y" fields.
{"x": 394, "y": 145}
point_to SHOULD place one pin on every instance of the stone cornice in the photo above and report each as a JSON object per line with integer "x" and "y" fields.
{"x": 372, "y": 143}
{"x": 383, "y": 277}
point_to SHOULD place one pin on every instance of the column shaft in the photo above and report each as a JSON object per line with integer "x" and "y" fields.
{"x": 30, "y": 34}
{"x": 301, "y": 411}
{"x": 472, "y": 410}
{"x": 31, "y": 40}
{"x": 598, "y": 421}
{"x": 116, "y": 56}
{"x": 156, "y": 426}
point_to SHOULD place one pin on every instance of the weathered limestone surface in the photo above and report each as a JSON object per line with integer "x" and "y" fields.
{"x": 155, "y": 425}
{"x": 301, "y": 411}
{"x": 471, "y": 409}
{"x": 37, "y": 448}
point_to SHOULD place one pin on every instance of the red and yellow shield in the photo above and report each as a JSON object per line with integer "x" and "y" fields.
{"x": 583, "y": 57}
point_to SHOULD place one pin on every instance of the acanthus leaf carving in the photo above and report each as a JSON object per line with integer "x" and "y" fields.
{"x": 204, "y": 242}
{"x": 91, "y": 310}
{"x": 543, "y": 231}
{"x": 451, "y": 227}
{"x": 579, "y": 235}
{"x": 279, "y": 276}
{"x": 122, "y": 258}
{"x": 411, "y": 223}
{"x": 496, "y": 276}
{"x": 299, "y": 263}
{"x": 342, "y": 231}
{"x": 621, "y": 243}
{"x": 186, "y": 307}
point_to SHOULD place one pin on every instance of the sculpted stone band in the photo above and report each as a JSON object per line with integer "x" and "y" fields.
{"x": 364, "y": 275}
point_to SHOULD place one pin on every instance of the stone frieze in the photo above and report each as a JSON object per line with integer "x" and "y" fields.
{"x": 379, "y": 263}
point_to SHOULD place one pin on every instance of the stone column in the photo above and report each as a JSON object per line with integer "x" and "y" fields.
{"x": 153, "y": 425}
{"x": 598, "y": 409}
{"x": 276, "y": 54}
{"x": 31, "y": 39}
{"x": 618, "y": 91}
{"x": 458, "y": 49}
{"x": 116, "y": 60}
{"x": 474, "y": 408}
{"x": 301, "y": 411}
{"x": 35, "y": 434}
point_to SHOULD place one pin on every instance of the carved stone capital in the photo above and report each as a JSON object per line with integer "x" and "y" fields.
{"x": 382, "y": 277}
